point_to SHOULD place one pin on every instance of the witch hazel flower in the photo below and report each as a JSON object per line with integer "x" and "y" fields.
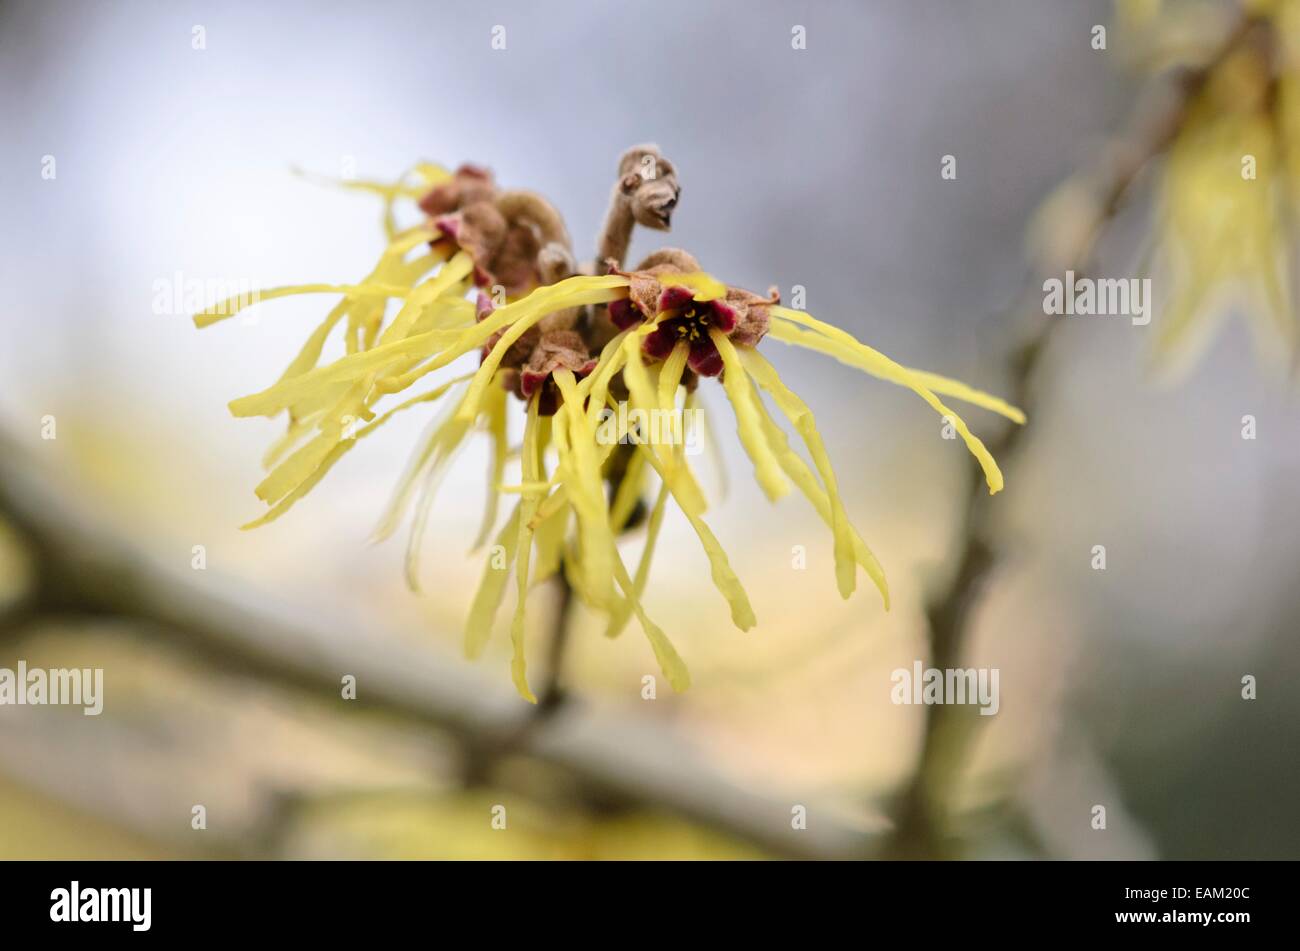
{"x": 468, "y": 185}
{"x": 527, "y": 368}
{"x": 563, "y": 347}
{"x": 516, "y": 239}
{"x": 689, "y": 315}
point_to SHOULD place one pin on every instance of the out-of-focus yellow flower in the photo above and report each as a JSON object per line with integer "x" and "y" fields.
{"x": 673, "y": 325}
{"x": 1228, "y": 196}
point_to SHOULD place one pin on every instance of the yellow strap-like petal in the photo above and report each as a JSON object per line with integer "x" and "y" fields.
{"x": 447, "y": 279}
{"x": 704, "y": 433}
{"x": 496, "y": 427}
{"x": 343, "y": 447}
{"x": 704, "y": 286}
{"x": 524, "y": 313}
{"x": 628, "y": 493}
{"x": 941, "y": 385}
{"x": 737, "y": 386}
{"x": 802, "y": 418}
{"x": 619, "y": 618}
{"x": 427, "y": 174}
{"x": 224, "y": 310}
{"x": 306, "y": 460}
{"x": 878, "y": 364}
{"x": 548, "y": 535}
{"x": 670, "y": 376}
{"x": 310, "y": 353}
{"x": 492, "y": 586}
{"x": 670, "y": 662}
{"x": 642, "y": 395}
{"x": 418, "y": 464}
{"x": 586, "y": 490}
{"x": 724, "y": 578}
{"x": 596, "y": 385}
{"x": 297, "y": 429}
{"x": 802, "y": 476}
{"x": 450, "y": 438}
{"x": 531, "y": 469}
{"x": 344, "y": 370}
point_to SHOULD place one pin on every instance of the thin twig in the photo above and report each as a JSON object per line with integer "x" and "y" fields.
{"x": 481, "y": 759}
{"x": 923, "y": 827}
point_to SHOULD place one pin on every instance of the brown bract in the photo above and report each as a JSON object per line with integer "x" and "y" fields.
{"x": 468, "y": 185}
{"x": 527, "y": 366}
{"x": 649, "y": 183}
{"x": 515, "y": 238}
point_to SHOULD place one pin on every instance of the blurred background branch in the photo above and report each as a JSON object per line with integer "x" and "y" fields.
{"x": 924, "y": 827}
{"x": 82, "y": 569}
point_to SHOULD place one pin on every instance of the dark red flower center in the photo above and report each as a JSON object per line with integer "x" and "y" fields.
{"x": 692, "y": 323}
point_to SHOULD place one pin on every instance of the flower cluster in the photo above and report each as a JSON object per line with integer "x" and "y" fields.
{"x": 566, "y": 342}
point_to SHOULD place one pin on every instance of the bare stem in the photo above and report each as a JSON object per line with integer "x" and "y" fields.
{"x": 479, "y": 761}
{"x": 645, "y": 193}
{"x": 551, "y": 697}
{"x": 616, "y": 234}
